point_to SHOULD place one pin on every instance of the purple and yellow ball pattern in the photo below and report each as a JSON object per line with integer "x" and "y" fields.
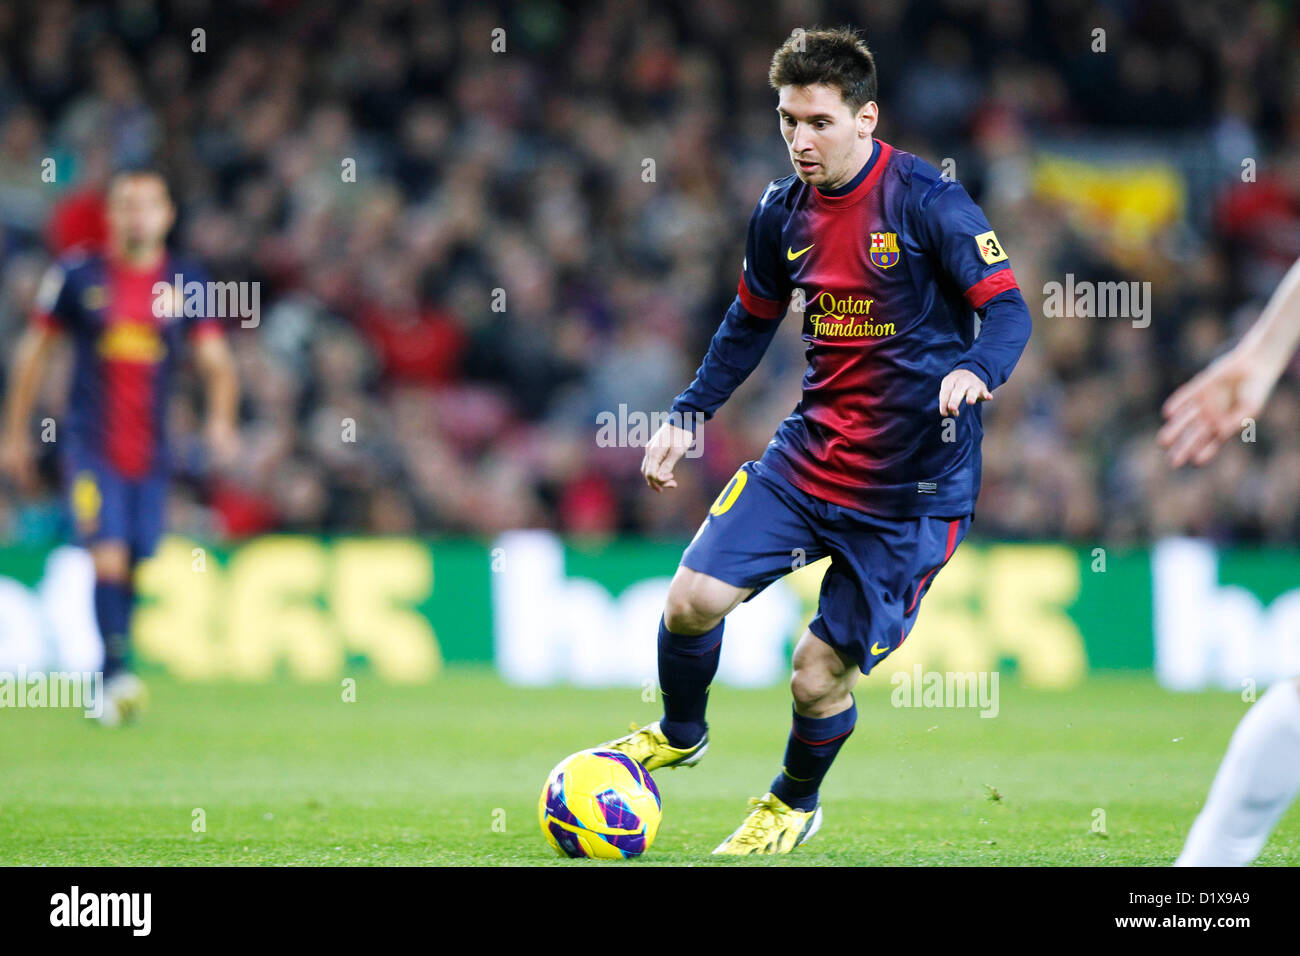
{"x": 599, "y": 804}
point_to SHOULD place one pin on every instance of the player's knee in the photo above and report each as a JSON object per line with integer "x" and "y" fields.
{"x": 112, "y": 561}
{"x": 696, "y": 603}
{"x": 682, "y": 615}
{"x": 811, "y": 686}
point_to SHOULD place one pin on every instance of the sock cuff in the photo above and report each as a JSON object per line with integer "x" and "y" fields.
{"x": 696, "y": 645}
{"x": 823, "y": 730}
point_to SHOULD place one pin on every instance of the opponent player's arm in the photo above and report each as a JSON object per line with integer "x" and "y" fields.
{"x": 1203, "y": 413}
{"x": 216, "y": 365}
{"x": 31, "y": 357}
{"x": 1274, "y": 337}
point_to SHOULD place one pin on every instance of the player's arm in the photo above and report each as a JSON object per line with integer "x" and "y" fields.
{"x": 1203, "y": 413}
{"x": 971, "y": 254}
{"x": 734, "y": 351}
{"x": 31, "y": 357}
{"x": 216, "y": 365}
{"x": 55, "y": 310}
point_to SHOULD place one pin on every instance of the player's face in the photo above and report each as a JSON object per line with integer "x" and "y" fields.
{"x": 826, "y": 139}
{"x": 140, "y": 212}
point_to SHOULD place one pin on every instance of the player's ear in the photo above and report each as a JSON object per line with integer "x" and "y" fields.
{"x": 867, "y": 118}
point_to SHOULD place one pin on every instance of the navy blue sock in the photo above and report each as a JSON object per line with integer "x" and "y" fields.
{"x": 813, "y": 744}
{"x": 113, "y": 600}
{"x": 687, "y": 663}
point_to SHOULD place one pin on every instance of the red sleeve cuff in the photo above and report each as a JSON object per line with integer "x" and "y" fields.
{"x": 757, "y": 306}
{"x": 207, "y": 329}
{"x": 989, "y": 286}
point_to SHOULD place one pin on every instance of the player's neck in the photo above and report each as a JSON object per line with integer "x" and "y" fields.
{"x": 861, "y": 165}
{"x": 138, "y": 258}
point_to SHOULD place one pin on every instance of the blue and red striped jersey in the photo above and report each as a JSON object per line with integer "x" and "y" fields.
{"x": 124, "y": 355}
{"x": 889, "y": 272}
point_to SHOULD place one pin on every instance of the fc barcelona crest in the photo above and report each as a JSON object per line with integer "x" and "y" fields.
{"x": 884, "y": 249}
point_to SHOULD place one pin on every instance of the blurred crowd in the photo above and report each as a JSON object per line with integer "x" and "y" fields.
{"x": 547, "y": 219}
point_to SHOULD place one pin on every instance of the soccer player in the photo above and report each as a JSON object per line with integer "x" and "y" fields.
{"x": 127, "y": 334}
{"x": 879, "y": 464}
{"x": 1260, "y": 774}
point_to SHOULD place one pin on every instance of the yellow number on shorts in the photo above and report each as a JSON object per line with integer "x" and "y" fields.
{"x": 86, "y": 502}
{"x": 727, "y": 497}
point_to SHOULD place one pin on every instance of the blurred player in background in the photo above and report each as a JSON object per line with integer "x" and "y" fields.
{"x": 876, "y": 467}
{"x": 1260, "y": 775}
{"x": 127, "y": 334}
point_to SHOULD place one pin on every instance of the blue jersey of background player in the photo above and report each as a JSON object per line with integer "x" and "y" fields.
{"x": 128, "y": 327}
{"x": 877, "y": 467}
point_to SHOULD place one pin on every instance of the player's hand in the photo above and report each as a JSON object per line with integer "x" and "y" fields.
{"x": 961, "y": 387}
{"x": 18, "y": 462}
{"x": 662, "y": 453}
{"x": 223, "y": 443}
{"x": 1208, "y": 410}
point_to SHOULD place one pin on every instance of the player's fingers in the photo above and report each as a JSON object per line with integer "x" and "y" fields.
{"x": 648, "y": 472}
{"x": 1191, "y": 440}
{"x": 1207, "y": 451}
{"x": 955, "y": 398}
{"x": 650, "y": 461}
{"x": 945, "y": 387}
{"x": 948, "y": 400}
{"x": 1190, "y": 394}
{"x": 1175, "y": 402}
{"x": 1188, "y": 441}
{"x": 675, "y": 454}
{"x": 1178, "y": 424}
{"x": 654, "y": 453}
{"x": 1173, "y": 430}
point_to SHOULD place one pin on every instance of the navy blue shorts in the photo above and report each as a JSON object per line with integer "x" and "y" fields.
{"x": 105, "y": 505}
{"x": 761, "y": 528}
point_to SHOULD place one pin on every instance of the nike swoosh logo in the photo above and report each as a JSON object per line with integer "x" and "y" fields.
{"x": 876, "y": 649}
{"x": 792, "y": 255}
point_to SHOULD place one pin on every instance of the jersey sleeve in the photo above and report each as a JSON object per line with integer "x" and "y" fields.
{"x": 199, "y": 326}
{"x": 973, "y": 257}
{"x": 747, "y": 329}
{"x": 764, "y": 289}
{"x": 55, "y": 307}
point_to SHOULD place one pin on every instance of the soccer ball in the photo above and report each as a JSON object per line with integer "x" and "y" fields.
{"x": 599, "y": 804}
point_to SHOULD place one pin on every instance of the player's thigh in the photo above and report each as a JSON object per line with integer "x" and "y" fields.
{"x": 147, "y": 515}
{"x": 98, "y": 503}
{"x": 881, "y": 569}
{"x": 755, "y": 533}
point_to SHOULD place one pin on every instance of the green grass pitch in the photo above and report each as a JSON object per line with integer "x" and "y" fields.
{"x": 449, "y": 773}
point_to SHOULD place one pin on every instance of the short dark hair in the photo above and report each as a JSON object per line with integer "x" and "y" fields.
{"x": 836, "y": 57}
{"x": 138, "y": 171}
